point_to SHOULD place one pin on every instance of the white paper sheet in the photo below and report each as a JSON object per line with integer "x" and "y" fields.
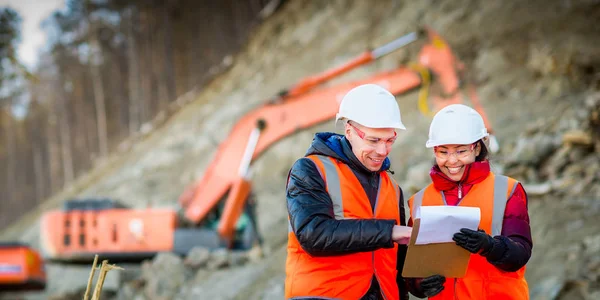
{"x": 440, "y": 223}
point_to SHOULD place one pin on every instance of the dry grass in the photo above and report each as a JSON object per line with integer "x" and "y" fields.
{"x": 103, "y": 271}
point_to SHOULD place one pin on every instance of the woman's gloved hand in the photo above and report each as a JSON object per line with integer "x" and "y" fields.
{"x": 474, "y": 241}
{"x": 432, "y": 285}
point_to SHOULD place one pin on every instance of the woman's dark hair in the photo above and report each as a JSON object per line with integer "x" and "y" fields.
{"x": 483, "y": 154}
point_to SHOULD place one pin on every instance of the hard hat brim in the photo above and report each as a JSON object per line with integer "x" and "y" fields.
{"x": 431, "y": 144}
{"x": 397, "y": 125}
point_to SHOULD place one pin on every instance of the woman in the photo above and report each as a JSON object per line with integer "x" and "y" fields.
{"x": 461, "y": 176}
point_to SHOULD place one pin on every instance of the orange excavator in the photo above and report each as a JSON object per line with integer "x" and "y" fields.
{"x": 218, "y": 210}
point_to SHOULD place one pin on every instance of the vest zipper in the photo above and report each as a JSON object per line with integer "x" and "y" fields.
{"x": 459, "y": 199}
{"x": 378, "y": 281}
{"x": 455, "y": 297}
{"x": 381, "y": 289}
{"x": 373, "y": 252}
{"x": 376, "y": 277}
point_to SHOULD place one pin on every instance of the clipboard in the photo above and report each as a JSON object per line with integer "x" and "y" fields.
{"x": 447, "y": 259}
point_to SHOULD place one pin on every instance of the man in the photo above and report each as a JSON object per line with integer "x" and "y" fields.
{"x": 347, "y": 235}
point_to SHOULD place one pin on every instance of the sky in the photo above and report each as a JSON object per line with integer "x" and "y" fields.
{"x": 32, "y": 12}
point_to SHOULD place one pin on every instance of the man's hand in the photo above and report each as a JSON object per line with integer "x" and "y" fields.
{"x": 401, "y": 234}
{"x": 474, "y": 241}
{"x": 432, "y": 285}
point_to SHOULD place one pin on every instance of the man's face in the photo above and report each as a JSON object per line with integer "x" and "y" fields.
{"x": 370, "y": 145}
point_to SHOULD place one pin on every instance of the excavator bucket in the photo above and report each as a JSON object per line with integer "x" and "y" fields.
{"x": 21, "y": 268}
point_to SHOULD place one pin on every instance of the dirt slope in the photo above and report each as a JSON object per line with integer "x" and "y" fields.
{"x": 535, "y": 61}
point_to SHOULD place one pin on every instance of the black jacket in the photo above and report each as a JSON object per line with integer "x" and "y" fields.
{"x": 311, "y": 214}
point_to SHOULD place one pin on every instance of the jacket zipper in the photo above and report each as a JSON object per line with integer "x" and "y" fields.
{"x": 460, "y": 186}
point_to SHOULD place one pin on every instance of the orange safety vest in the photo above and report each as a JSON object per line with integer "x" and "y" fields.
{"x": 345, "y": 276}
{"x": 482, "y": 280}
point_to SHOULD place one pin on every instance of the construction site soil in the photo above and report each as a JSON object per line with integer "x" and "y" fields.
{"x": 537, "y": 66}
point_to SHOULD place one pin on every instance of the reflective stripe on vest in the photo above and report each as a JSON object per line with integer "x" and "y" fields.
{"x": 332, "y": 180}
{"x": 346, "y": 276}
{"x": 500, "y": 199}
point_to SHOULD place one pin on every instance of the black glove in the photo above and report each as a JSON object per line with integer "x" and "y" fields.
{"x": 474, "y": 241}
{"x": 432, "y": 285}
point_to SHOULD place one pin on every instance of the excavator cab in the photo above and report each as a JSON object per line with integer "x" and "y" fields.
{"x": 245, "y": 231}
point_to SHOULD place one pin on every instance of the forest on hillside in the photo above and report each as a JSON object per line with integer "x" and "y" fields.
{"x": 109, "y": 69}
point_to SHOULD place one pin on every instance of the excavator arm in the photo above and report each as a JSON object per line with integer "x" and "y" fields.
{"x": 301, "y": 107}
{"x": 280, "y": 119}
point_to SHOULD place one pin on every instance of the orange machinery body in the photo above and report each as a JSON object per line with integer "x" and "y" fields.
{"x": 21, "y": 268}
{"x": 305, "y": 105}
{"x": 117, "y": 233}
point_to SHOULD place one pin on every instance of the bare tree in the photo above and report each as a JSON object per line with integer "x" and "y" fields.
{"x": 112, "y": 66}
{"x": 95, "y": 62}
{"x": 11, "y": 153}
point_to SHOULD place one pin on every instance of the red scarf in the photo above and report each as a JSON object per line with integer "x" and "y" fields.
{"x": 474, "y": 173}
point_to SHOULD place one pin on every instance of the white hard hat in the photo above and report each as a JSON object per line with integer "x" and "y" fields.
{"x": 371, "y": 106}
{"x": 456, "y": 124}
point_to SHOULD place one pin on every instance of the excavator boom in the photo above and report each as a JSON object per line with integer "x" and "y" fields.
{"x": 364, "y": 58}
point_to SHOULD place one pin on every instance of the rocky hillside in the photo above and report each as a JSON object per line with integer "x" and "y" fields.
{"x": 537, "y": 65}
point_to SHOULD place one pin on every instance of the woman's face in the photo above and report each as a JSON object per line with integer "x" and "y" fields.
{"x": 452, "y": 159}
